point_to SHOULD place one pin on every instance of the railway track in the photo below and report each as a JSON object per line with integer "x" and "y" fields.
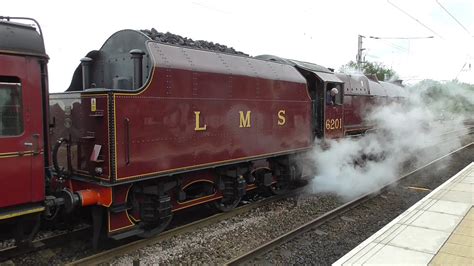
{"x": 109, "y": 254}
{"x": 43, "y": 243}
{"x": 317, "y": 222}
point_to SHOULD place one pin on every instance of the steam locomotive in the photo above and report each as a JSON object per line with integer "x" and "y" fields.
{"x": 147, "y": 129}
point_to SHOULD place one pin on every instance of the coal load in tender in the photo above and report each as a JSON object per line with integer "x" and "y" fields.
{"x": 187, "y": 42}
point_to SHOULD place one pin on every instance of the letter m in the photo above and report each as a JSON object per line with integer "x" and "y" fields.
{"x": 244, "y": 120}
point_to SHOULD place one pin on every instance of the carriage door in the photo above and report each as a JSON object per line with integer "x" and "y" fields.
{"x": 17, "y": 144}
{"x": 333, "y": 111}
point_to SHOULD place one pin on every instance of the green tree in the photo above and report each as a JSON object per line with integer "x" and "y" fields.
{"x": 369, "y": 68}
{"x": 449, "y": 98}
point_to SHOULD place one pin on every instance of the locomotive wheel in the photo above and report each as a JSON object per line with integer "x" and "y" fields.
{"x": 26, "y": 228}
{"x": 226, "y": 205}
{"x": 153, "y": 229}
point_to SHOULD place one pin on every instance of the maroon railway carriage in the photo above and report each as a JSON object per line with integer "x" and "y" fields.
{"x": 201, "y": 127}
{"x": 23, "y": 108}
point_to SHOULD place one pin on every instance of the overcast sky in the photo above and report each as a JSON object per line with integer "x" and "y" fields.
{"x": 323, "y": 32}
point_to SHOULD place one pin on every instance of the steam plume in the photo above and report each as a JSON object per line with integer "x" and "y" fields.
{"x": 355, "y": 166}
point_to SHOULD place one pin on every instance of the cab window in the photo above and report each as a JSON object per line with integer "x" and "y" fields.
{"x": 333, "y": 94}
{"x": 11, "y": 108}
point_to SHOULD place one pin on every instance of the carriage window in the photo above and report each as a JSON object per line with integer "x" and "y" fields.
{"x": 11, "y": 109}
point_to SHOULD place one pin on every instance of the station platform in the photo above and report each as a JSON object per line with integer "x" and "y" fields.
{"x": 437, "y": 230}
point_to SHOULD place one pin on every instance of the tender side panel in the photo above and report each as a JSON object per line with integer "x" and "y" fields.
{"x": 191, "y": 117}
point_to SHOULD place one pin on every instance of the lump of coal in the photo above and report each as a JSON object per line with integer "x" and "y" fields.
{"x": 171, "y": 38}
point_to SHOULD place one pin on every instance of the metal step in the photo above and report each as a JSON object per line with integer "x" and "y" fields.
{"x": 126, "y": 234}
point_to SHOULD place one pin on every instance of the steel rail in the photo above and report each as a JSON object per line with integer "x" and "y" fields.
{"x": 109, "y": 254}
{"x": 42, "y": 243}
{"x": 320, "y": 220}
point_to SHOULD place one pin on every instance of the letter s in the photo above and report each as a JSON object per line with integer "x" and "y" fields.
{"x": 281, "y": 117}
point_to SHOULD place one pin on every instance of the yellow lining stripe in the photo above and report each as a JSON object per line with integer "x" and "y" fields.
{"x": 15, "y": 152}
{"x": 197, "y": 203}
{"x": 207, "y": 164}
{"x": 19, "y": 154}
{"x": 126, "y": 212}
{"x": 121, "y": 228}
{"x": 197, "y": 181}
{"x": 115, "y": 140}
{"x": 16, "y": 214}
{"x": 9, "y": 153}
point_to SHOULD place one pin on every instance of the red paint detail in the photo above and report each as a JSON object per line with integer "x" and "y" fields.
{"x": 89, "y": 197}
{"x": 104, "y": 194}
{"x": 191, "y": 203}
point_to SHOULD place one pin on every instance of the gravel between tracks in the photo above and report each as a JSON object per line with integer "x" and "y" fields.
{"x": 211, "y": 244}
{"x": 328, "y": 243}
{"x": 219, "y": 242}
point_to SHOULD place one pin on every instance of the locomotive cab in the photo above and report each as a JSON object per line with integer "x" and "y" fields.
{"x": 327, "y": 92}
{"x": 333, "y": 110}
{"x": 327, "y": 110}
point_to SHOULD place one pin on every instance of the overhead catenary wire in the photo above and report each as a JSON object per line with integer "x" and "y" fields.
{"x": 412, "y": 17}
{"x": 402, "y": 38}
{"x": 453, "y": 17}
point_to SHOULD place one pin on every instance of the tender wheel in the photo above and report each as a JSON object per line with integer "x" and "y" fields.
{"x": 152, "y": 229}
{"x": 26, "y": 229}
{"x": 285, "y": 182}
{"x": 151, "y": 211}
{"x": 279, "y": 188}
{"x": 226, "y": 205}
{"x": 232, "y": 189}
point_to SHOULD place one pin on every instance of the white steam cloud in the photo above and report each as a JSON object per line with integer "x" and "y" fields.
{"x": 354, "y": 166}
